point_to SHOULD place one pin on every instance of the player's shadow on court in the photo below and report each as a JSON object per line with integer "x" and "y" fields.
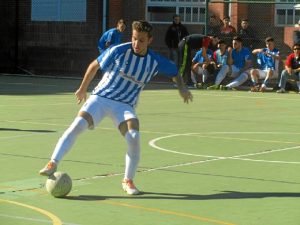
{"x": 26, "y": 130}
{"x": 170, "y": 196}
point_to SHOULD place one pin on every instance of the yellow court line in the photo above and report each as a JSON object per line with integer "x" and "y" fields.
{"x": 55, "y": 219}
{"x": 167, "y": 212}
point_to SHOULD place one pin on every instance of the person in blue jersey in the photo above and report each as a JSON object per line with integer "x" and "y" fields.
{"x": 126, "y": 68}
{"x": 239, "y": 63}
{"x": 220, "y": 56}
{"x": 185, "y": 47}
{"x": 268, "y": 62}
{"x": 202, "y": 69}
{"x": 112, "y": 37}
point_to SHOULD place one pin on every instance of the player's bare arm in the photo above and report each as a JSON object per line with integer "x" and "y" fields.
{"x": 183, "y": 91}
{"x": 256, "y": 51}
{"x": 229, "y": 59}
{"x": 247, "y": 66}
{"x": 88, "y": 77}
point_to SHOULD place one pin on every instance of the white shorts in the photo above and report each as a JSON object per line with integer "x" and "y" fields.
{"x": 262, "y": 74}
{"x": 99, "y": 107}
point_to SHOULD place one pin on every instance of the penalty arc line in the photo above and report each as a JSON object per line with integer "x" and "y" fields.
{"x": 153, "y": 144}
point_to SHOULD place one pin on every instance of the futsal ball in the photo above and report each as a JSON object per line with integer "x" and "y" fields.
{"x": 59, "y": 184}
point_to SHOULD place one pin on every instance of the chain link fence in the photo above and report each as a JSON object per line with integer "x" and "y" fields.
{"x": 264, "y": 18}
{"x": 58, "y": 40}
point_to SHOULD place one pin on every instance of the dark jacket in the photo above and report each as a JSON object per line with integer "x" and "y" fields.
{"x": 174, "y": 34}
{"x": 248, "y": 36}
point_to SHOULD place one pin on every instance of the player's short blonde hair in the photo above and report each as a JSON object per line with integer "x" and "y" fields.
{"x": 142, "y": 26}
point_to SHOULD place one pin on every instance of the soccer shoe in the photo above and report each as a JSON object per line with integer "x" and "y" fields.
{"x": 281, "y": 90}
{"x": 213, "y": 87}
{"x": 254, "y": 89}
{"x": 200, "y": 86}
{"x": 49, "y": 169}
{"x": 263, "y": 89}
{"x": 129, "y": 187}
{"x": 224, "y": 88}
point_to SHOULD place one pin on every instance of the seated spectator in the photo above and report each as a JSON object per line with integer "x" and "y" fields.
{"x": 292, "y": 69}
{"x": 220, "y": 56}
{"x": 185, "y": 46}
{"x": 238, "y": 66}
{"x": 247, "y": 34}
{"x": 268, "y": 62}
{"x": 202, "y": 68}
{"x": 227, "y": 31}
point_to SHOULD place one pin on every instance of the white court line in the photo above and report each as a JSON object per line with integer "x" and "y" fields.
{"x": 210, "y": 159}
{"x": 35, "y": 123}
{"x": 223, "y": 95}
{"x": 155, "y": 132}
{"x": 26, "y": 83}
{"x": 153, "y": 144}
{"x": 47, "y": 104}
{"x": 32, "y": 219}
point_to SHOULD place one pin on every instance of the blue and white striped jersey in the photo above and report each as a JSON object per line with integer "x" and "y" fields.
{"x": 266, "y": 59}
{"x": 126, "y": 74}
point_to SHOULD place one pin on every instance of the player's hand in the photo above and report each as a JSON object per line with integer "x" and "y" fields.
{"x": 80, "y": 96}
{"x": 186, "y": 95}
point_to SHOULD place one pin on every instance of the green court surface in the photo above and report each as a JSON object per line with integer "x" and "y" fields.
{"x": 230, "y": 157}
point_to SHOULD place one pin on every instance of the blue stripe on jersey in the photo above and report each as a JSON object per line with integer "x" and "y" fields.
{"x": 126, "y": 74}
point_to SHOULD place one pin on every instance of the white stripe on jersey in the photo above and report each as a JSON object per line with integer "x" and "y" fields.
{"x": 126, "y": 74}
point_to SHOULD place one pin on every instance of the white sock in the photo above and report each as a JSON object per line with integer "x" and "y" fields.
{"x": 193, "y": 77}
{"x": 205, "y": 76}
{"x": 133, "y": 153}
{"x": 67, "y": 140}
{"x": 298, "y": 85}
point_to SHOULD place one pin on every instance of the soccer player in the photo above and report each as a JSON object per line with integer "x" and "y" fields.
{"x": 127, "y": 68}
{"x": 268, "y": 61}
{"x": 194, "y": 42}
{"x": 112, "y": 37}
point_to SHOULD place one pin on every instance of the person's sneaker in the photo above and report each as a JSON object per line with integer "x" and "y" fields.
{"x": 281, "y": 90}
{"x": 224, "y": 88}
{"x": 263, "y": 89}
{"x": 49, "y": 169}
{"x": 198, "y": 86}
{"x": 129, "y": 187}
{"x": 213, "y": 87}
{"x": 254, "y": 89}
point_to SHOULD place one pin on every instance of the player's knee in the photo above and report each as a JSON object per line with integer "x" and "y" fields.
{"x": 78, "y": 126}
{"x": 133, "y": 137}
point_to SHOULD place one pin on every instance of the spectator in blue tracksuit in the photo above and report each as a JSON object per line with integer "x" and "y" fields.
{"x": 112, "y": 37}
